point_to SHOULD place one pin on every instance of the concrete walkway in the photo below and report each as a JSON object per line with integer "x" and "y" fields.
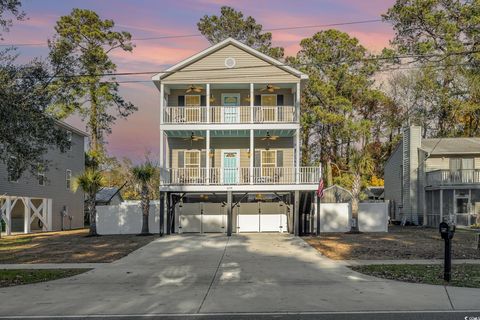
{"x": 207, "y": 274}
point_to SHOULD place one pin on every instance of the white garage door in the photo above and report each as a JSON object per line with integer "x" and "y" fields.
{"x": 261, "y": 217}
{"x": 201, "y": 217}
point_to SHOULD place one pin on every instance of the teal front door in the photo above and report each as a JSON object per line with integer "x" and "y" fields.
{"x": 230, "y": 167}
{"x": 231, "y": 103}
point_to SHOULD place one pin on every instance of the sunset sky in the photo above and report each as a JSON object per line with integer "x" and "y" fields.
{"x": 149, "y": 18}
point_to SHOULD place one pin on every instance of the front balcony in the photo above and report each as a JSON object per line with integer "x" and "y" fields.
{"x": 449, "y": 178}
{"x": 230, "y": 114}
{"x": 241, "y": 176}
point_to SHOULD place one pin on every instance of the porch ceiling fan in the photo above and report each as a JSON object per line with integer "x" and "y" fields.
{"x": 194, "y": 137}
{"x": 269, "y": 137}
{"x": 269, "y": 88}
{"x": 193, "y": 88}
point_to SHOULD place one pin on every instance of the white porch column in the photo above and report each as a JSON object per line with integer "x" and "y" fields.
{"x": 441, "y": 204}
{"x": 207, "y": 158}
{"x": 162, "y": 99}
{"x": 207, "y": 100}
{"x": 49, "y": 214}
{"x": 297, "y": 101}
{"x": 297, "y": 155}
{"x": 161, "y": 155}
{"x": 252, "y": 102}
{"x": 26, "y": 218}
{"x": 8, "y": 216}
{"x": 252, "y": 153}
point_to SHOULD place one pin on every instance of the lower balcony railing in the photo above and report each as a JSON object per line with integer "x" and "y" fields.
{"x": 239, "y": 176}
{"x": 449, "y": 177}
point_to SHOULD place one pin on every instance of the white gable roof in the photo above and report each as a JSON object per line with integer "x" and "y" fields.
{"x": 223, "y": 44}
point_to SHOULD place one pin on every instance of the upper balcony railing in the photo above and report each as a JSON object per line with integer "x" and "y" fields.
{"x": 230, "y": 114}
{"x": 240, "y": 176}
{"x": 453, "y": 177}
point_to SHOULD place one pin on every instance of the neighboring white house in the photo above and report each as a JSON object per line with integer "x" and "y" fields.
{"x": 430, "y": 180}
{"x": 230, "y": 143}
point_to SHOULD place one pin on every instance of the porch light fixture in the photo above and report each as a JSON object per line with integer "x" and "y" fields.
{"x": 247, "y": 99}
{"x": 211, "y": 153}
{"x": 212, "y": 98}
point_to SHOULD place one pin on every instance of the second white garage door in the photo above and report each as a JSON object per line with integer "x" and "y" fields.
{"x": 261, "y": 217}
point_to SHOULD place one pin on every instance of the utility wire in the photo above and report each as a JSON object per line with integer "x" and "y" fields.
{"x": 269, "y": 66}
{"x": 200, "y": 35}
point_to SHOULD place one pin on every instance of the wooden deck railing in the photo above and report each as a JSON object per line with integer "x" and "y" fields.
{"x": 453, "y": 177}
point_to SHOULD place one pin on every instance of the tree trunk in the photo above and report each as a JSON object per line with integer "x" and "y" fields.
{"x": 356, "y": 186}
{"x": 93, "y": 122}
{"x": 145, "y": 209}
{"x": 93, "y": 215}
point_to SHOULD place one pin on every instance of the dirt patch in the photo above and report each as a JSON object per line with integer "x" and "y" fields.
{"x": 398, "y": 243}
{"x": 68, "y": 247}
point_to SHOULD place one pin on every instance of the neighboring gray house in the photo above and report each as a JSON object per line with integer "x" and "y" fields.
{"x": 108, "y": 196}
{"x": 431, "y": 180}
{"x": 46, "y": 201}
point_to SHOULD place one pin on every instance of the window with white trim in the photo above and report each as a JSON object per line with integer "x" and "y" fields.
{"x": 11, "y": 174}
{"x": 41, "y": 175}
{"x": 192, "y": 108}
{"x": 192, "y": 163}
{"x": 69, "y": 139}
{"x": 68, "y": 179}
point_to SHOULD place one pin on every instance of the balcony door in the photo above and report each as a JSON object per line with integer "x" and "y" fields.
{"x": 269, "y": 107}
{"x": 230, "y": 166}
{"x": 231, "y": 107}
{"x": 462, "y": 170}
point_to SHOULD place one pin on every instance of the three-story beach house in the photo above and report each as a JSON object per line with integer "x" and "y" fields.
{"x": 230, "y": 143}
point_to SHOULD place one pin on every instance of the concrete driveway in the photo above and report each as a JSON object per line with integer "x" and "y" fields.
{"x": 193, "y": 274}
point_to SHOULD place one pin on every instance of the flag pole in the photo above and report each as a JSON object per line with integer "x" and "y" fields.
{"x": 319, "y": 194}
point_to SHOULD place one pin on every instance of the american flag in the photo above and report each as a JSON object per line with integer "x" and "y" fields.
{"x": 320, "y": 188}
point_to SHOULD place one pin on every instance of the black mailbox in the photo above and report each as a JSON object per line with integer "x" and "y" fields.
{"x": 447, "y": 231}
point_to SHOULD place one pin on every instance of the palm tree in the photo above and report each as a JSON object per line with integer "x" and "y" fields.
{"x": 360, "y": 164}
{"x": 145, "y": 174}
{"x": 90, "y": 181}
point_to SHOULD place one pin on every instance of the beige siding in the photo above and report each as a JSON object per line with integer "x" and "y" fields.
{"x": 242, "y": 144}
{"x": 437, "y": 163}
{"x": 217, "y": 94}
{"x": 443, "y": 163}
{"x": 254, "y": 69}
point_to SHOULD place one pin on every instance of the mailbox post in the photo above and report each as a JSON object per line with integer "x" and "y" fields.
{"x": 447, "y": 231}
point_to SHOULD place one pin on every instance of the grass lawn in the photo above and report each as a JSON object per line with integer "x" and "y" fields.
{"x": 398, "y": 243}
{"x": 10, "y": 278}
{"x": 463, "y": 275}
{"x": 67, "y": 247}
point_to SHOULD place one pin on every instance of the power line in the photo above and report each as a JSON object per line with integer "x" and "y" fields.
{"x": 267, "y": 66}
{"x": 200, "y": 35}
